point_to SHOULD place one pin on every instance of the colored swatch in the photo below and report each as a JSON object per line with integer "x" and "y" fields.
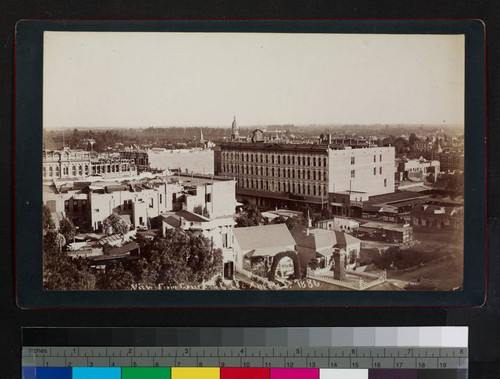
{"x": 97, "y": 373}
{"x": 195, "y": 373}
{"x": 244, "y": 373}
{"x": 46, "y": 372}
{"x": 145, "y": 373}
{"x": 294, "y": 373}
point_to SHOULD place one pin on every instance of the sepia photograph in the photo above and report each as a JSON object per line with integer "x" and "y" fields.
{"x": 253, "y": 161}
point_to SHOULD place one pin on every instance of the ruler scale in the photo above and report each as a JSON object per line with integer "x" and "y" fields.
{"x": 283, "y": 355}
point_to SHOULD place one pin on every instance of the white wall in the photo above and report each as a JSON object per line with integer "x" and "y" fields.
{"x": 364, "y": 180}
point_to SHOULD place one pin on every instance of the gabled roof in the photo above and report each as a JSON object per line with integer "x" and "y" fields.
{"x": 172, "y": 221}
{"x": 266, "y": 236}
{"x": 321, "y": 238}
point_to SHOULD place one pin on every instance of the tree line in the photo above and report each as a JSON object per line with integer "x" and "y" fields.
{"x": 171, "y": 261}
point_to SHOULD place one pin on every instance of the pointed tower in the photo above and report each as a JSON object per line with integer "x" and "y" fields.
{"x": 201, "y": 136}
{"x": 234, "y": 130}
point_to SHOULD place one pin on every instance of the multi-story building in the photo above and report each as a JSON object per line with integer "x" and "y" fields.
{"x": 113, "y": 167}
{"x": 271, "y": 174}
{"x": 66, "y": 163}
{"x": 142, "y": 201}
{"x": 451, "y": 160}
{"x": 215, "y": 196}
{"x": 420, "y": 169}
{"x": 77, "y": 164}
{"x": 140, "y": 157}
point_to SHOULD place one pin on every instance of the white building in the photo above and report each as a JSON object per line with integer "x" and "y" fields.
{"x": 338, "y": 224}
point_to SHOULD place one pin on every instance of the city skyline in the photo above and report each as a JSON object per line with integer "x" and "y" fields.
{"x": 113, "y": 80}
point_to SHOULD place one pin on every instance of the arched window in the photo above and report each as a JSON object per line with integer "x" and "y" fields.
{"x": 73, "y": 170}
{"x": 50, "y": 171}
{"x": 314, "y": 161}
{"x": 58, "y": 172}
{"x": 44, "y": 171}
{"x": 314, "y": 175}
{"x": 279, "y": 186}
{"x": 288, "y": 173}
{"x": 80, "y": 170}
{"x": 308, "y": 189}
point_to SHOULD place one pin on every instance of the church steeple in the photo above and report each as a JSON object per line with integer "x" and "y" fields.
{"x": 234, "y": 130}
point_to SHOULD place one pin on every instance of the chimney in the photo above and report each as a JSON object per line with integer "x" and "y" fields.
{"x": 339, "y": 264}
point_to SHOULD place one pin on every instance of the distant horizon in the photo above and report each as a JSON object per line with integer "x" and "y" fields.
{"x": 228, "y": 126}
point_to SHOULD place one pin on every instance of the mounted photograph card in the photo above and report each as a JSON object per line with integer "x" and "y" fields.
{"x": 250, "y": 163}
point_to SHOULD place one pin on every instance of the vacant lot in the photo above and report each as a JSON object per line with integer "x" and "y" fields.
{"x": 446, "y": 274}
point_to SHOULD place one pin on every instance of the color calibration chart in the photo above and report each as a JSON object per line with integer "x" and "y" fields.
{"x": 241, "y": 353}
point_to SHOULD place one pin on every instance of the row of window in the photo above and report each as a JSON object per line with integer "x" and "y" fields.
{"x": 279, "y": 159}
{"x": 75, "y": 205}
{"x": 278, "y": 172}
{"x": 80, "y": 170}
{"x": 297, "y": 188}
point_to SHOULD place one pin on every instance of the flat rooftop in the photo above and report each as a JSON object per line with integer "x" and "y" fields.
{"x": 305, "y": 147}
{"x": 197, "y": 180}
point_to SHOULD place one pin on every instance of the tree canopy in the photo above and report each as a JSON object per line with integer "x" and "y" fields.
{"x": 47, "y": 221}
{"x": 250, "y": 216}
{"x": 114, "y": 224}
{"x": 67, "y": 229}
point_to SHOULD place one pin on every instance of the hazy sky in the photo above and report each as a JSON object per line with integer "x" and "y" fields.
{"x": 203, "y": 79}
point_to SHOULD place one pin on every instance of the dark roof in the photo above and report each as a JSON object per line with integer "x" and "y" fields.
{"x": 395, "y": 197}
{"x": 280, "y": 195}
{"x": 124, "y": 249}
{"x": 173, "y": 219}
